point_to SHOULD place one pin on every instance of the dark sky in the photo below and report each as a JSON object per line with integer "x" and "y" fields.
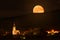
{"x": 10, "y": 8}
{"x": 23, "y": 9}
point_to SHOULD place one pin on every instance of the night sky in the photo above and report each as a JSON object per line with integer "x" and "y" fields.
{"x": 20, "y": 12}
{"x": 22, "y": 7}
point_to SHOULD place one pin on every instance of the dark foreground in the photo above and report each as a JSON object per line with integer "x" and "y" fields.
{"x": 31, "y": 37}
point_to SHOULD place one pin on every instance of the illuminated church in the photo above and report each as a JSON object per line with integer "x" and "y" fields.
{"x": 14, "y": 31}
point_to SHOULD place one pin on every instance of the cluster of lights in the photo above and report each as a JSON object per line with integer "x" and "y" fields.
{"x": 35, "y": 31}
{"x": 16, "y": 32}
{"x": 52, "y": 32}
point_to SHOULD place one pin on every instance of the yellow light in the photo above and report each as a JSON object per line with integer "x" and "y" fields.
{"x": 34, "y": 33}
{"x": 24, "y": 37}
{"x": 52, "y": 32}
{"x": 25, "y": 32}
{"x": 14, "y": 31}
{"x": 38, "y": 9}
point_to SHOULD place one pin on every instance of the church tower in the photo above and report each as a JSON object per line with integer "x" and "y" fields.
{"x": 14, "y": 31}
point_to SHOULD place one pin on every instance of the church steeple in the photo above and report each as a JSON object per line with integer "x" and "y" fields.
{"x": 14, "y": 31}
{"x": 14, "y": 26}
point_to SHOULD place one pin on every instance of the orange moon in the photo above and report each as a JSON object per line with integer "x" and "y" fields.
{"x": 38, "y": 9}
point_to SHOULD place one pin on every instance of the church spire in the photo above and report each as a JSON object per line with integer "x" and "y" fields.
{"x": 14, "y": 31}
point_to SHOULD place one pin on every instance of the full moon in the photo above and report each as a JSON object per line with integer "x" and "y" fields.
{"x": 38, "y": 9}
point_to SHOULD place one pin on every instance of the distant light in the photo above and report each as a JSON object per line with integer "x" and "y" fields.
{"x": 25, "y": 32}
{"x": 24, "y": 37}
{"x": 52, "y": 32}
{"x": 6, "y": 33}
{"x": 38, "y": 9}
{"x": 34, "y": 33}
